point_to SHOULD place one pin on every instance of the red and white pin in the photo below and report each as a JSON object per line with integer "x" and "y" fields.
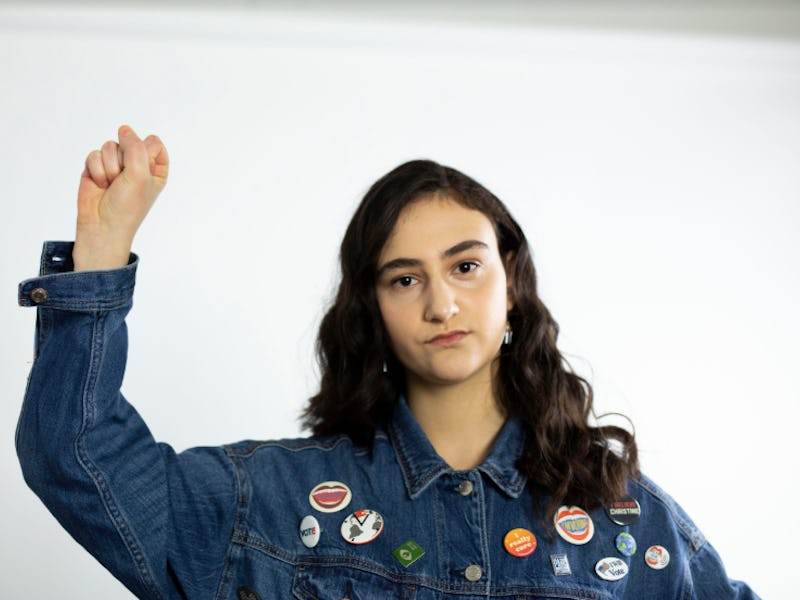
{"x": 656, "y": 557}
{"x": 330, "y": 496}
{"x": 362, "y": 526}
{"x": 574, "y": 524}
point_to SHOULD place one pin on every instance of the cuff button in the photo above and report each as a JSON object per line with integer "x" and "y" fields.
{"x": 38, "y": 295}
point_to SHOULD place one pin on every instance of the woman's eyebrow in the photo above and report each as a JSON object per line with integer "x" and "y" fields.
{"x": 463, "y": 246}
{"x": 402, "y": 263}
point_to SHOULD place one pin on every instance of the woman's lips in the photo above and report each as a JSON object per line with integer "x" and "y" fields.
{"x": 447, "y": 339}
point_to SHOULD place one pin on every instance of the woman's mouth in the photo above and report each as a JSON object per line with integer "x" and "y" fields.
{"x": 447, "y": 339}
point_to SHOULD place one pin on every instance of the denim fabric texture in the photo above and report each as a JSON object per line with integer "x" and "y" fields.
{"x": 223, "y": 523}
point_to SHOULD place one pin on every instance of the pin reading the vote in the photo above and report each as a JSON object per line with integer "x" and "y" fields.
{"x": 519, "y": 542}
{"x": 362, "y": 526}
{"x": 330, "y": 496}
{"x": 574, "y": 524}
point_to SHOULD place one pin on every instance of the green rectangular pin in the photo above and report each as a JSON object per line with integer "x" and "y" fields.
{"x": 408, "y": 553}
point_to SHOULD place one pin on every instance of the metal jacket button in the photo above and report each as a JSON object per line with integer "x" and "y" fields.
{"x": 38, "y": 295}
{"x": 473, "y": 572}
{"x": 465, "y": 487}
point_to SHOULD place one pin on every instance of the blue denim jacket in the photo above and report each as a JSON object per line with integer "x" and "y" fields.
{"x": 224, "y": 523}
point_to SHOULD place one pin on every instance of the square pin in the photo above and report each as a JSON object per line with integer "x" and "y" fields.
{"x": 560, "y": 564}
{"x": 408, "y": 553}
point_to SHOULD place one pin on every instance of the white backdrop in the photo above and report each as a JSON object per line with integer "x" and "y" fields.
{"x": 656, "y": 177}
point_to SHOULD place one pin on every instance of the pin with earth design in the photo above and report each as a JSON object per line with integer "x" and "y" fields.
{"x": 330, "y": 496}
{"x": 362, "y": 526}
{"x": 519, "y": 542}
{"x": 574, "y": 524}
{"x": 656, "y": 557}
{"x": 626, "y": 544}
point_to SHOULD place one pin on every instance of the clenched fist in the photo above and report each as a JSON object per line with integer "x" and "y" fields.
{"x": 118, "y": 186}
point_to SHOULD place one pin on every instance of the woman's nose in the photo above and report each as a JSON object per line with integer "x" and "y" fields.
{"x": 440, "y": 303}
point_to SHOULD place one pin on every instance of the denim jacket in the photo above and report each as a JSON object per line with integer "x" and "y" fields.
{"x": 225, "y": 523}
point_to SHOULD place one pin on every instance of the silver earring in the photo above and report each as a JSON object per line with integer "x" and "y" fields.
{"x": 384, "y": 369}
{"x": 508, "y": 335}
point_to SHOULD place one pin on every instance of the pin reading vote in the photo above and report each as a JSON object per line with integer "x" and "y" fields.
{"x": 309, "y": 531}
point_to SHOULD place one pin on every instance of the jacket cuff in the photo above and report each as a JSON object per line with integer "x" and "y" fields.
{"x": 59, "y": 287}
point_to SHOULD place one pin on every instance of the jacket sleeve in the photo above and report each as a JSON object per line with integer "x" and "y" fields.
{"x": 161, "y": 522}
{"x": 710, "y": 581}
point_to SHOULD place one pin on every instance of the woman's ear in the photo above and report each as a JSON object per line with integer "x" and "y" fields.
{"x": 510, "y": 261}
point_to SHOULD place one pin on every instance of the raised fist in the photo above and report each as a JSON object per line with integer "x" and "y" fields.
{"x": 119, "y": 184}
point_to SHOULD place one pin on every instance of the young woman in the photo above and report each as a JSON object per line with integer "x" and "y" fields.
{"x": 452, "y": 454}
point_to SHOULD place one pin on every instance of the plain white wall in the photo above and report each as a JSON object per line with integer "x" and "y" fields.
{"x": 656, "y": 177}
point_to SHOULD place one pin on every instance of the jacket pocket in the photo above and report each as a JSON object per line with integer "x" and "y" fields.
{"x": 347, "y": 582}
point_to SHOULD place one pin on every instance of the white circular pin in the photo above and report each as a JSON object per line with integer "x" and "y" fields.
{"x": 611, "y": 568}
{"x": 574, "y": 524}
{"x": 330, "y": 496}
{"x": 362, "y": 526}
{"x": 656, "y": 557}
{"x": 309, "y": 531}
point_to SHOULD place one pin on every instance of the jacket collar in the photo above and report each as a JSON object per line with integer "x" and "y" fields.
{"x": 421, "y": 465}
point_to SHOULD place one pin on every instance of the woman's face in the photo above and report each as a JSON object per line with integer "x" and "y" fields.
{"x": 443, "y": 292}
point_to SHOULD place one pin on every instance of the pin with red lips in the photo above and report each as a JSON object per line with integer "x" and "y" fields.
{"x": 330, "y": 496}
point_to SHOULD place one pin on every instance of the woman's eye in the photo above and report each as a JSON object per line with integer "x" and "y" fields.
{"x": 404, "y": 281}
{"x": 467, "y": 267}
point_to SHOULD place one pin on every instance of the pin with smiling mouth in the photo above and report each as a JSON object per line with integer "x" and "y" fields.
{"x": 330, "y": 496}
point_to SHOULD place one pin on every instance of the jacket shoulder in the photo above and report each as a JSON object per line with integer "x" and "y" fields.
{"x": 660, "y": 506}
{"x": 335, "y": 444}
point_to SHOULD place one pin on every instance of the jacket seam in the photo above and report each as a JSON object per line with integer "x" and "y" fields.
{"x": 240, "y": 524}
{"x": 690, "y": 532}
{"x": 127, "y": 536}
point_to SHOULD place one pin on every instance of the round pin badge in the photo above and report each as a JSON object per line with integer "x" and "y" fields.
{"x": 330, "y": 496}
{"x": 519, "y": 542}
{"x": 362, "y": 526}
{"x": 656, "y": 557}
{"x": 624, "y": 511}
{"x": 626, "y": 544}
{"x": 574, "y": 524}
{"x": 611, "y": 568}
{"x": 309, "y": 531}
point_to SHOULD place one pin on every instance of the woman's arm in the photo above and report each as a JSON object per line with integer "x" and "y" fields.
{"x": 160, "y": 522}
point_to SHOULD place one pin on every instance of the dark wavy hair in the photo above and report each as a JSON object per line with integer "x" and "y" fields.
{"x": 564, "y": 454}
